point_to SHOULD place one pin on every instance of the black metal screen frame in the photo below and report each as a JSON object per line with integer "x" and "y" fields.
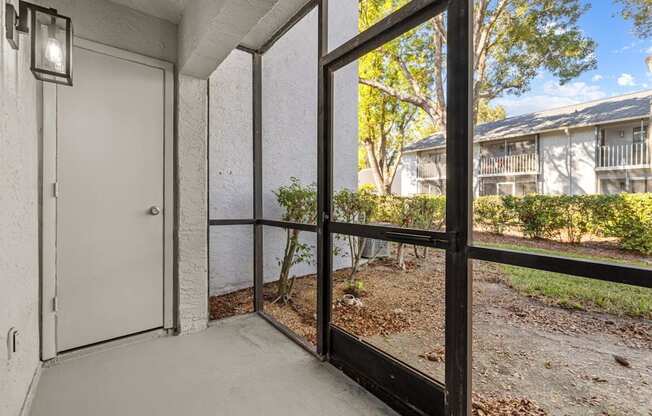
{"x": 407, "y": 390}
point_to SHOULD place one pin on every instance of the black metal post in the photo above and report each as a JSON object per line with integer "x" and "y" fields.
{"x": 324, "y": 188}
{"x": 257, "y": 61}
{"x": 459, "y": 133}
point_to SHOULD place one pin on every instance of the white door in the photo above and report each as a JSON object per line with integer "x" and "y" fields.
{"x": 110, "y": 204}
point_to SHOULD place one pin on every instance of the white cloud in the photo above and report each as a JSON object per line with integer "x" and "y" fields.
{"x": 553, "y": 96}
{"x": 577, "y": 91}
{"x": 649, "y": 50}
{"x": 626, "y": 80}
{"x": 596, "y": 78}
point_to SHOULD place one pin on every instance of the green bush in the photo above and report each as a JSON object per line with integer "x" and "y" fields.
{"x": 536, "y": 215}
{"x": 299, "y": 204}
{"x": 490, "y": 213}
{"x": 631, "y": 222}
{"x": 626, "y": 217}
{"x": 569, "y": 218}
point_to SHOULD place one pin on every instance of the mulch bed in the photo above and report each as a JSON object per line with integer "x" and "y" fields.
{"x": 490, "y": 405}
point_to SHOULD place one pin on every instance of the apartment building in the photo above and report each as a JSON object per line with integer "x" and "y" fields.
{"x": 600, "y": 146}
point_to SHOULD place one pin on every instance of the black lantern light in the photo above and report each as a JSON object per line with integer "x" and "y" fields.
{"x": 51, "y": 40}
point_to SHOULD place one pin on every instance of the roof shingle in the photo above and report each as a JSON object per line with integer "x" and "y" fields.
{"x": 623, "y": 107}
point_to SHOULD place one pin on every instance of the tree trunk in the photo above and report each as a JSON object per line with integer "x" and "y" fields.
{"x": 400, "y": 256}
{"x": 284, "y": 285}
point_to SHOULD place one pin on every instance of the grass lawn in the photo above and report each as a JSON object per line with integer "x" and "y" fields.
{"x": 579, "y": 292}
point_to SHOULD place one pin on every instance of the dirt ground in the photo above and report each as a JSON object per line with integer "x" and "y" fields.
{"x": 530, "y": 358}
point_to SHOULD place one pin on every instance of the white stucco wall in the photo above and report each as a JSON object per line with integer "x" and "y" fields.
{"x": 231, "y": 141}
{"x": 568, "y": 163}
{"x": 583, "y": 160}
{"x": 290, "y": 122}
{"x": 231, "y": 258}
{"x": 192, "y": 174}
{"x": 366, "y": 177}
{"x": 409, "y": 182}
{"x": 120, "y": 26}
{"x": 231, "y": 173}
{"x": 554, "y": 163}
{"x": 19, "y": 254}
{"x": 289, "y": 127}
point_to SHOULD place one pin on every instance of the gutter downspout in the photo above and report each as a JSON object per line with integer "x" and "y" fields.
{"x": 569, "y": 161}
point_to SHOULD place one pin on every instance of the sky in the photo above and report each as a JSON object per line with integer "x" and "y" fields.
{"x": 621, "y": 66}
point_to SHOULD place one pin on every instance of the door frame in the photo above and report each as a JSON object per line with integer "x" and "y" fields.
{"x": 48, "y": 191}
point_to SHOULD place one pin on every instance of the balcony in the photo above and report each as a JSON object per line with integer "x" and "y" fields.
{"x": 623, "y": 156}
{"x": 522, "y": 164}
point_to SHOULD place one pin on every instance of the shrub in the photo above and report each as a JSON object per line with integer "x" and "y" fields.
{"x": 355, "y": 207}
{"x": 299, "y": 203}
{"x": 574, "y": 216}
{"x": 535, "y": 214}
{"x": 631, "y": 222}
{"x": 490, "y": 212}
{"x": 427, "y": 212}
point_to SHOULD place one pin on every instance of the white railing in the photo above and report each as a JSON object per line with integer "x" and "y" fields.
{"x": 432, "y": 170}
{"x": 526, "y": 163}
{"x": 627, "y": 155}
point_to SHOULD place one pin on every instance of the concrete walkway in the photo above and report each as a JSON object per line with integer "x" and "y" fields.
{"x": 241, "y": 366}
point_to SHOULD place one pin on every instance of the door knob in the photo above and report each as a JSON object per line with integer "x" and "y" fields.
{"x": 154, "y": 210}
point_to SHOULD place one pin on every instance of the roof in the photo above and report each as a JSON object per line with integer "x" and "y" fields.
{"x": 608, "y": 110}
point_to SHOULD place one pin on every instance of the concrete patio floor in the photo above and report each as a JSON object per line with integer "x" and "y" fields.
{"x": 240, "y": 366}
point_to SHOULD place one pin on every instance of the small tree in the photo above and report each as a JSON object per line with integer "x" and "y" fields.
{"x": 428, "y": 212}
{"x": 396, "y": 210}
{"x": 354, "y": 207}
{"x": 299, "y": 203}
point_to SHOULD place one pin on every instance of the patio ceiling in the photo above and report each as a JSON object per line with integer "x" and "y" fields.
{"x": 210, "y": 29}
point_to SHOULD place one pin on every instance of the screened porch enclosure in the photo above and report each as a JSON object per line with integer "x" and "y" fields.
{"x": 388, "y": 302}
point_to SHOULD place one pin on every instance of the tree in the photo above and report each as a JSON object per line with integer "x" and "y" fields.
{"x": 354, "y": 207}
{"x": 299, "y": 203}
{"x": 385, "y": 125}
{"x": 514, "y": 40}
{"x": 640, "y": 13}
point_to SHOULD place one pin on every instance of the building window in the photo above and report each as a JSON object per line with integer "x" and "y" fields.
{"x": 432, "y": 187}
{"x": 505, "y": 188}
{"x": 640, "y": 134}
{"x": 613, "y": 186}
{"x": 488, "y": 188}
{"x": 526, "y": 188}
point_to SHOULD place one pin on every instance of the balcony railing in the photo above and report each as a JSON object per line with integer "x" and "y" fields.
{"x": 526, "y": 163}
{"x": 620, "y": 156}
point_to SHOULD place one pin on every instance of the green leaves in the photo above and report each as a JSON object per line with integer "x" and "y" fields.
{"x": 571, "y": 218}
{"x": 298, "y": 201}
{"x": 640, "y": 13}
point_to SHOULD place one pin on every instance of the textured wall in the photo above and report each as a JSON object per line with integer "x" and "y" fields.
{"x": 231, "y": 141}
{"x": 289, "y": 143}
{"x": 289, "y": 123}
{"x": 19, "y": 274}
{"x": 583, "y": 161}
{"x": 119, "y": 26}
{"x": 559, "y": 162}
{"x": 191, "y": 204}
{"x": 231, "y": 173}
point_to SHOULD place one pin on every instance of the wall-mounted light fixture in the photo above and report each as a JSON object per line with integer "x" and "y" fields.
{"x": 51, "y": 40}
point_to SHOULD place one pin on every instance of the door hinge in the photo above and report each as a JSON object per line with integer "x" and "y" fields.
{"x": 55, "y": 189}
{"x": 55, "y": 304}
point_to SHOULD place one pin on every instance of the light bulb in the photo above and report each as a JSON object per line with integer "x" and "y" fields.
{"x": 54, "y": 54}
